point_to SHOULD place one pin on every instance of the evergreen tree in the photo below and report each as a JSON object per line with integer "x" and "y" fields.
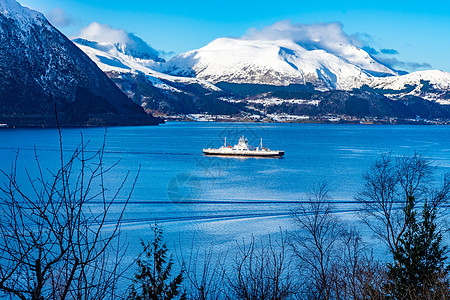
{"x": 419, "y": 270}
{"x": 153, "y": 280}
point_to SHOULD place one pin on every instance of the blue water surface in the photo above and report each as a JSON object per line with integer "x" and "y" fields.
{"x": 217, "y": 200}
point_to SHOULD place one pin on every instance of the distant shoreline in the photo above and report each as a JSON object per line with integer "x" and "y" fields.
{"x": 168, "y": 120}
{"x": 324, "y": 121}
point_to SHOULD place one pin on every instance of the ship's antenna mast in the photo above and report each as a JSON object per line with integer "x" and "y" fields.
{"x": 225, "y": 142}
{"x": 261, "y": 144}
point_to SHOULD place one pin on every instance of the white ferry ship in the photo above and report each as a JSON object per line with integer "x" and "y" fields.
{"x": 243, "y": 149}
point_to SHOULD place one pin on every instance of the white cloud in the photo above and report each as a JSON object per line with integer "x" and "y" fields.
{"x": 104, "y": 33}
{"x": 58, "y": 17}
{"x": 327, "y": 36}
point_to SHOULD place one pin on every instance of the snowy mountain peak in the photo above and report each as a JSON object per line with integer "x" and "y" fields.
{"x": 362, "y": 59}
{"x": 138, "y": 50}
{"x": 125, "y": 42}
{"x": 275, "y": 62}
{"x": 24, "y": 16}
{"x": 146, "y": 57}
{"x": 221, "y": 44}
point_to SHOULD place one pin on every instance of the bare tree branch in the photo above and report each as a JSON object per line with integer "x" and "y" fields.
{"x": 53, "y": 245}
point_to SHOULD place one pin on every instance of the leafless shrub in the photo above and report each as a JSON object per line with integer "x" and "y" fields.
{"x": 262, "y": 271}
{"x": 388, "y": 184}
{"x": 332, "y": 259}
{"x": 357, "y": 274}
{"x": 58, "y": 239}
{"x": 393, "y": 187}
{"x": 315, "y": 243}
{"x": 204, "y": 274}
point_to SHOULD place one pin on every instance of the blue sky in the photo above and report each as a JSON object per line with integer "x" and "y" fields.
{"x": 418, "y": 30}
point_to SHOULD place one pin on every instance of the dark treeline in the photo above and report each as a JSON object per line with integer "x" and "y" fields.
{"x": 52, "y": 246}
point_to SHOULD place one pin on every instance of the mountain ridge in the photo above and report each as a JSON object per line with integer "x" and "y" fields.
{"x": 431, "y": 85}
{"x": 279, "y": 62}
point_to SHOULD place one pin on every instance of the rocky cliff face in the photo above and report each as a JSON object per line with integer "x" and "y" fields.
{"x": 41, "y": 71}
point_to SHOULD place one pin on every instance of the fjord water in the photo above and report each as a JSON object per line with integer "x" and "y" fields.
{"x": 218, "y": 200}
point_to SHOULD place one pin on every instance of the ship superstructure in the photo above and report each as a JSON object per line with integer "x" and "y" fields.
{"x": 243, "y": 149}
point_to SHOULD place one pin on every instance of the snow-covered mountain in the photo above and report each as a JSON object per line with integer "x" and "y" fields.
{"x": 154, "y": 91}
{"x": 258, "y": 62}
{"x": 112, "y": 59}
{"x": 24, "y": 19}
{"x": 41, "y": 69}
{"x": 433, "y": 85}
{"x": 280, "y": 62}
{"x": 284, "y": 62}
{"x": 122, "y": 51}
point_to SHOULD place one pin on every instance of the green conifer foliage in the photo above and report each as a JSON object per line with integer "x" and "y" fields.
{"x": 153, "y": 281}
{"x": 419, "y": 269}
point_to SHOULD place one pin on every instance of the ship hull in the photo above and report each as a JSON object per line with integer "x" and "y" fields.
{"x": 273, "y": 154}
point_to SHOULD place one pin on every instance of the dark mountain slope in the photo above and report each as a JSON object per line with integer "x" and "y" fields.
{"x": 40, "y": 70}
{"x": 365, "y": 104}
